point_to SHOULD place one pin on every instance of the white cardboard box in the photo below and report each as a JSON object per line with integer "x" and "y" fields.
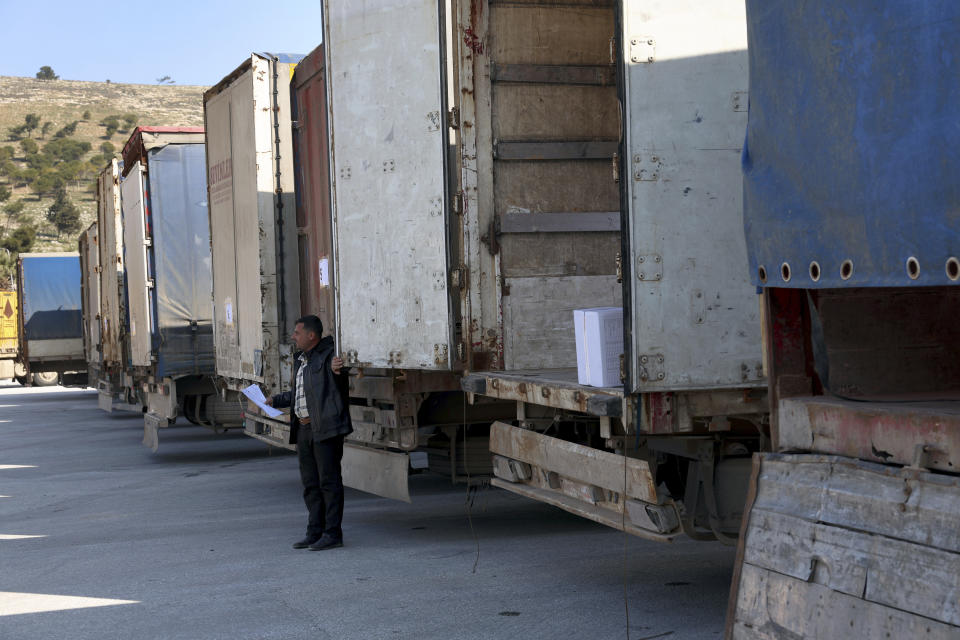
{"x": 599, "y": 335}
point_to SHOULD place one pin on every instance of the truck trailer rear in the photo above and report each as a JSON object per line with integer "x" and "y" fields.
{"x": 255, "y": 237}
{"x": 594, "y": 163}
{"x": 89, "y": 249}
{"x": 850, "y": 215}
{"x": 50, "y": 320}
{"x": 113, "y": 383}
{"x": 166, "y": 238}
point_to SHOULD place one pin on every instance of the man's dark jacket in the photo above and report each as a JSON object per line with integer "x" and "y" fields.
{"x": 327, "y": 394}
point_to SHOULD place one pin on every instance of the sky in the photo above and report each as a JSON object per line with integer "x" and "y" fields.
{"x": 194, "y": 42}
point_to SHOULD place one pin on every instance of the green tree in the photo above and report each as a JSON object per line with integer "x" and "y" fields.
{"x": 66, "y": 149}
{"x": 130, "y": 119}
{"x": 67, "y": 131}
{"x": 39, "y": 161}
{"x": 6, "y": 153}
{"x": 32, "y": 121}
{"x": 22, "y": 239}
{"x": 23, "y": 177}
{"x": 86, "y": 115}
{"x": 17, "y": 132}
{"x": 45, "y": 129}
{"x": 29, "y": 146}
{"x": 47, "y": 182}
{"x": 46, "y": 73}
{"x": 112, "y": 123}
{"x": 63, "y": 214}
{"x": 4, "y": 194}
{"x": 13, "y": 211}
{"x": 107, "y": 148}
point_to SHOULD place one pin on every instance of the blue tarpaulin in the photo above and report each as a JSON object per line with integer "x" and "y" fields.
{"x": 51, "y": 297}
{"x": 853, "y": 141}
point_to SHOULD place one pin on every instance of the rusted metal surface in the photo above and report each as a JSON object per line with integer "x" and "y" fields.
{"x": 548, "y": 388}
{"x": 89, "y": 249}
{"x": 584, "y": 465}
{"x": 877, "y": 431}
{"x": 608, "y": 517}
{"x": 481, "y": 293}
{"x": 311, "y": 150}
{"x": 112, "y": 303}
{"x": 788, "y": 355}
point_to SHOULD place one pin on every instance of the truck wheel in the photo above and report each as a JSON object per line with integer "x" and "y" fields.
{"x": 45, "y": 378}
{"x": 22, "y": 380}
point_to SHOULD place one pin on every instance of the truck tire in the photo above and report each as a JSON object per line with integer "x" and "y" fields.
{"x": 46, "y": 378}
{"x": 23, "y": 381}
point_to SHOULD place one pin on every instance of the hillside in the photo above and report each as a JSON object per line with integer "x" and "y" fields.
{"x": 61, "y": 102}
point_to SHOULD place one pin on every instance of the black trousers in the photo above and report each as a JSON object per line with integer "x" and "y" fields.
{"x": 322, "y": 482}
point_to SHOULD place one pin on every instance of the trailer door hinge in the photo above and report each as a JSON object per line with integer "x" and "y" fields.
{"x": 492, "y": 237}
{"x": 150, "y": 283}
{"x": 457, "y": 278}
{"x": 458, "y": 203}
{"x": 453, "y": 118}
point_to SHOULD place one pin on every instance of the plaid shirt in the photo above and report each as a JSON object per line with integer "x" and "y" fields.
{"x": 300, "y": 402}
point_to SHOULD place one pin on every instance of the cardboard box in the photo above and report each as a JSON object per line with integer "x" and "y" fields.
{"x": 599, "y": 335}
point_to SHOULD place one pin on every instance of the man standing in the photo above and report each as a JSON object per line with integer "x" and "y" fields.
{"x": 320, "y": 419}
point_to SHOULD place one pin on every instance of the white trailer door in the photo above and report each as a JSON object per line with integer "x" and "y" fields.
{"x": 388, "y": 139}
{"x": 695, "y": 316}
{"x": 135, "y": 257}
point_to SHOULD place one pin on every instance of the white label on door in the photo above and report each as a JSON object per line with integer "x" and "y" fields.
{"x": 228, "y": 310}
{"x": 324, "y": 272}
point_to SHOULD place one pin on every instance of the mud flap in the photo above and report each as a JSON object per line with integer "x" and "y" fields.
{"x": 105, "y": 401}
{"x": 151, "y": 425}
{"x": 382, "y": 473}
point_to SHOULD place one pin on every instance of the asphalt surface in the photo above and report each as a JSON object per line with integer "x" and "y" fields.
{"x": 194, "y": 543}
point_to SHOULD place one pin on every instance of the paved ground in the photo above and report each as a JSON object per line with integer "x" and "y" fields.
{"x": 198, "y": 537}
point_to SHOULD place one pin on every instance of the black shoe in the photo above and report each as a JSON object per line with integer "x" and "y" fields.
{"x": 326, "y": 542}
{"x": 306, "y": 542}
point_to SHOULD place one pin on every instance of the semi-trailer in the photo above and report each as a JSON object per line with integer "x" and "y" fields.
{"x": 255, "y": 236}
{"x": 166, "y": 244}
{"x": 502, "y": 165}
{"x": 850, "y": 215}
{"x": 49, "y": 319}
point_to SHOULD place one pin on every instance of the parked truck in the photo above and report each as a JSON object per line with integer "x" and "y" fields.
{"x": 594, "y": 163}
{"x": 113, "y": 383}
{"x": 9, "y": 368}
{"x": 50, "y": 322}
{"x": 255, "y": 235}
{"x": 88, "y": 245}
{"x": 850, "y": 214}
{"x": 166, "y": 239}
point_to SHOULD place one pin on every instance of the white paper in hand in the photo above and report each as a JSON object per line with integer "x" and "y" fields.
{"x": 256, "y": 396}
